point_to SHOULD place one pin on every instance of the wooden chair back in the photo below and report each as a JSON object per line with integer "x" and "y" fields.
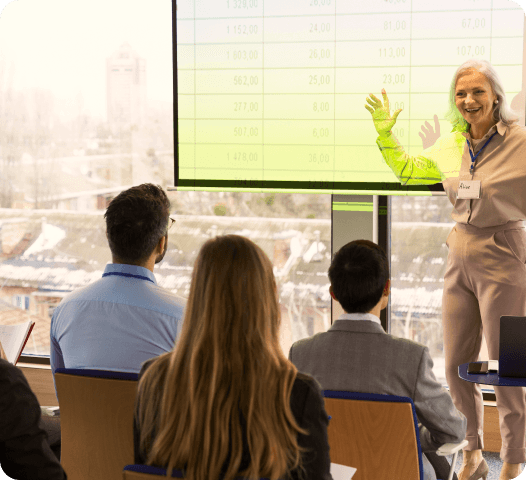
{"x": 131, "y": 475}
{"x": 147, "y": 472}
{"x": 376, "y": 437}
{"x": 96, "y": 416}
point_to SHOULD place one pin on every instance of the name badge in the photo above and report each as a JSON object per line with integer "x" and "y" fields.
{"x": 469, "y": 189}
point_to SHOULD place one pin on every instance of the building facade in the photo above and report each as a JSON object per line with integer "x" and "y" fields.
{"x": 126, "y": 88}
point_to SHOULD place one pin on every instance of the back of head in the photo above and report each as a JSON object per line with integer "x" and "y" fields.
{"x": 227, "y": 361}
{"x": 358, "y": 274}
{"x": 233, "y": 285}
{"x": 136, "y": 219}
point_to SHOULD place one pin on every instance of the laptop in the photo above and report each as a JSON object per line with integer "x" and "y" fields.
{"x": 512, "y": 346}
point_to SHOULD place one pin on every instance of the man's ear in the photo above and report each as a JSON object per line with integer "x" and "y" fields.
{"x": 160, "y": 245}
{"x": 332, "y": 293}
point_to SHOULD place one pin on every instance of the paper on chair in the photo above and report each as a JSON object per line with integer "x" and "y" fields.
{"x": 49, "y": 411}
{"x": 13, "y": 339}
{"x": 342, "y": 472}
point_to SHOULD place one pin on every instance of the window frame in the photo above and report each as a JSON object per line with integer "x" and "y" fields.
{"x": 35, "y": 359}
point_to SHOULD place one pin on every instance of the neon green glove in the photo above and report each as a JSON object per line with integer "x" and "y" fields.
{"x": 383, "y": 121}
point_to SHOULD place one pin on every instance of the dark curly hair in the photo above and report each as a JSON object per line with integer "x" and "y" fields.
{"x": 358, "y": 274}
{"x": 136, "y": 219}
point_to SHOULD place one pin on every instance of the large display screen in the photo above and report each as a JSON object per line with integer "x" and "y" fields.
{"x": 271, "y": 93}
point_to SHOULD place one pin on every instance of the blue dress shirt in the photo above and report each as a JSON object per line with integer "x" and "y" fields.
{"x": 115, "y": 323}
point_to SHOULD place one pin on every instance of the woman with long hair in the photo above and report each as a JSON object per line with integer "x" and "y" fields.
{"x": 226, "y": 402}
{"x": 481, "y": 165}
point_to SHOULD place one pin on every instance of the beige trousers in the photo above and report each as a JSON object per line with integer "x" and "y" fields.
{"x": 485, "y": 278}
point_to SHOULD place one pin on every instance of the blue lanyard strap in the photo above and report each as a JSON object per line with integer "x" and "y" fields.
{"x": 474, "y": 157}
{"x": 121, "y": 274}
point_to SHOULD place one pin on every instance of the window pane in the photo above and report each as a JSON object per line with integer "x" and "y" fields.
{"x": 86, "y": 110}
{"x": 82, "y": 120}
{"x": 419, "y": 229}
{"x": 294, "y": 230}
{"x": 48, "y": 253}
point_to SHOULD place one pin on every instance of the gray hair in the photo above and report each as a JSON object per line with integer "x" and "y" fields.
{"x": 501, "y": 111}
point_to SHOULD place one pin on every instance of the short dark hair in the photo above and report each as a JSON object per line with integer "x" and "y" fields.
{"x": 136, "y": 219}
{"x": 358, "y": 273}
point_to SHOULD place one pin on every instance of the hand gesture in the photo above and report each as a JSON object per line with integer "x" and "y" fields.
{"x": 428, "y": 135}
{"x": 383, "y": 121}
{"x": 2, "y": 353}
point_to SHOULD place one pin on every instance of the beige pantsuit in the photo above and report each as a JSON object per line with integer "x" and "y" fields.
{"x": 486, "y": 273}
{"x": 485, "y": 278}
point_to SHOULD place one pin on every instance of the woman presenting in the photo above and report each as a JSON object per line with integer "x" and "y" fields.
{"x": 482, "y": 165}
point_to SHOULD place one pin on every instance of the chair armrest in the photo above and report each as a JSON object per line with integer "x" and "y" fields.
{"x": 451, "y": 448}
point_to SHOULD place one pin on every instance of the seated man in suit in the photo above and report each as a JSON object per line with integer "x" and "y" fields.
{"x": 125, "y": 318}
{"x": 24, "y": 450}
{"x": 357, "y": 355}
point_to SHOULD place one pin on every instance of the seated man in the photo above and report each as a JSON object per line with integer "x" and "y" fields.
{"x": 125, "y": 318}
{"x": 356, "y": 354}
{"x": 24, "y": 450}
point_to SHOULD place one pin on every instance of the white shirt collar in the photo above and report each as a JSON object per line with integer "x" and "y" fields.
{"x": 360, "y": 316}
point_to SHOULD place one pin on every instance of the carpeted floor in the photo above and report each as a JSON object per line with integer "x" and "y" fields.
{"x": 494, "y": 463}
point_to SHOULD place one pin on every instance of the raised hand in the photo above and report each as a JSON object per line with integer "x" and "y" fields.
{"x": 383, "y": 121}
{"x": 428, "y": 135}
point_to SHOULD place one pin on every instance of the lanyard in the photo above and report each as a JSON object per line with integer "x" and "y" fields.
{"x": 474, "y": 157}
{"x": 121, "y": 274}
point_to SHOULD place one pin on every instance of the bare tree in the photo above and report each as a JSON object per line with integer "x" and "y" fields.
{"x": 8, "y": 147}
{"x": 37, "y": 141}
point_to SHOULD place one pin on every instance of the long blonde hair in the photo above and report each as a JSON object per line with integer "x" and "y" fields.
{"x": 227, "y": 362}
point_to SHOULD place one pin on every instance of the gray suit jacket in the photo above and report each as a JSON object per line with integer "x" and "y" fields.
{"x": 358, "y": 356}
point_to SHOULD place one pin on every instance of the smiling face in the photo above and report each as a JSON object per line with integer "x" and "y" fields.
{"x": 475, "y": 100}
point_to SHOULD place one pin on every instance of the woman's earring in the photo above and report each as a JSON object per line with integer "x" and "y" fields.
{"x": 496, "y": 101}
